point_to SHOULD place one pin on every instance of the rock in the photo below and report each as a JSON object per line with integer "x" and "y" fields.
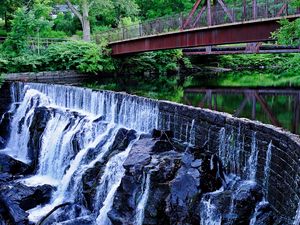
{"x": 265, "y": 215}
{"x": 86, "y": 220}
{"x": 245, "y": 197}
{"x": 92, "y": 176}
{"x": 183, "y": 189}
{"x": 5, "y": 128}
{"x": 12, "y": 166}
{"x": 38, "y": 125}
{"x": 123, "y": 138}
{"x": 197, "y": 163}
{"x": 18, "y": 198}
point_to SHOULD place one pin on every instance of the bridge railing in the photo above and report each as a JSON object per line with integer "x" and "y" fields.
{"x": 176, "y": 22}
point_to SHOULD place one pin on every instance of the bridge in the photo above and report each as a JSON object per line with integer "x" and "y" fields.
{"x": 206, "y": 25}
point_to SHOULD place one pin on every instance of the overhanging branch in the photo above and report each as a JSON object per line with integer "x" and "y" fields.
{"x": 74, "y": 10}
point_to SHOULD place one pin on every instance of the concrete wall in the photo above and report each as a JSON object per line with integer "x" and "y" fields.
{"x": 236, "y": 138}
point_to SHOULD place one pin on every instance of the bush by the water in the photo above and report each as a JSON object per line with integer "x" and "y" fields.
{"x": 76, "y": 55}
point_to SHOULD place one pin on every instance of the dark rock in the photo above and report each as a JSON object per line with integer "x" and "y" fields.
{"x": 123, "y": 138}
{"x": 86, "y": 220}
{"x": 183, "y": 190}
{"x": 37, "y": 128}
{"x": 162, "y": 146}
{"x": 264, "y": 215}
{"x": 5, "y": 128}
{"x": 18, "y": 198}
{"x": 12, "y": 166}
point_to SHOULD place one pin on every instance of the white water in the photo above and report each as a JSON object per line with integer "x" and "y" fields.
{"x": 19, "y": 137}
{"x": 258, "y": 206}
{"x": 140, "y": 210}
{"x": 267, "y": 170}
{"x": 208, "y": 212}
{"x": 252, "y": 161}
{"x": 192, "y": 134}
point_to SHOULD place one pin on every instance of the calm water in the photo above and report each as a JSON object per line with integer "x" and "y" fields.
{"x": 280, "y": 107}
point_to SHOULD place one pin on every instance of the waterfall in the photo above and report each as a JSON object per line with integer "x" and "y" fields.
{"x": 267, "y": 170}
{"x": 257, "y": 208}
{"x": 252, "y": 161}
{"x": 139, "y": 216}
{"x": 109, "y": 183}
{"x": 19, "y": 136}
{"x": 80, "y": 131}
{"x": 209, "y": 213}
{"x": 192, "y": 134}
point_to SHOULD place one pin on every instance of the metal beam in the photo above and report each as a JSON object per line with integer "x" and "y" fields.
{"x": 191, "y": 14}
{"x": 226, "y": 10}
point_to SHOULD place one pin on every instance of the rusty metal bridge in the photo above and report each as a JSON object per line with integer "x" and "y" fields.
{"x": 208, "y": 24}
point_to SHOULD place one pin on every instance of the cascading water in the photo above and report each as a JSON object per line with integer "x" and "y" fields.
{"x": 79, "y": 133}
{"x": 267, "y": 170}
{"x": 109, "y": 183}
{"x": 252, "y": 161}
{"x": 139, "y": 217}
{"x": 17, "y": 147}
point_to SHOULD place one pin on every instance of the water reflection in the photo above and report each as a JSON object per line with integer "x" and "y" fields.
{"x": 280, "y": 107}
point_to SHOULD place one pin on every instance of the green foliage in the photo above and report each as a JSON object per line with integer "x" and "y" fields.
{"x": 288, "y": 33}
{"x": 66, "y": 23}
{"x": 160, "y": 62}
{"x": 73, "y": 55}
{"x": 153, "y": 8}
{"x": 79, "y": 55}
{"x": 26, "y": 63}
{"x": 26, "y": 24}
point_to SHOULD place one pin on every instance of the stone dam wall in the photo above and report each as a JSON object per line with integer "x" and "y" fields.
{"x": 234, "y": 140}
{"x": 69, "y": 77}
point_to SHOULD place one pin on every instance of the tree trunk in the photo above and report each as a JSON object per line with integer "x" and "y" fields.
{"x": 84, "y": 18}
{"x": 86, "y": 27}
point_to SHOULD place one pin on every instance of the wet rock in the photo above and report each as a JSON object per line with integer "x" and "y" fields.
{"x": 5, "y": 129}
{"x": 69, "y": 213}
{"x": 18, "y": 198}
{"x": 197, "y": 163}
{"x": 38, "y": 125}
{"x": 12, "y": 166}
{"x": 92, "y": 176}
{"x": 86, "y": 220}
{"x": 245, "y": 197}
{"x": 264, "y": 215}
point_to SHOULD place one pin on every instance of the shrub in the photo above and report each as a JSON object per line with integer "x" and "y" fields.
{"x": 78, "y": 55}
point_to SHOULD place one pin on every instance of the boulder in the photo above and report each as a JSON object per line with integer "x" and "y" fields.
{"x": 18, "y": 198}
{"x": 12, "y": 166}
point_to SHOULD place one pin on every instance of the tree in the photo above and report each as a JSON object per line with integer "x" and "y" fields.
{"x": 289, "y": 32}
{"x": 84, "y": 10}
{"x": 28, "y": 23}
